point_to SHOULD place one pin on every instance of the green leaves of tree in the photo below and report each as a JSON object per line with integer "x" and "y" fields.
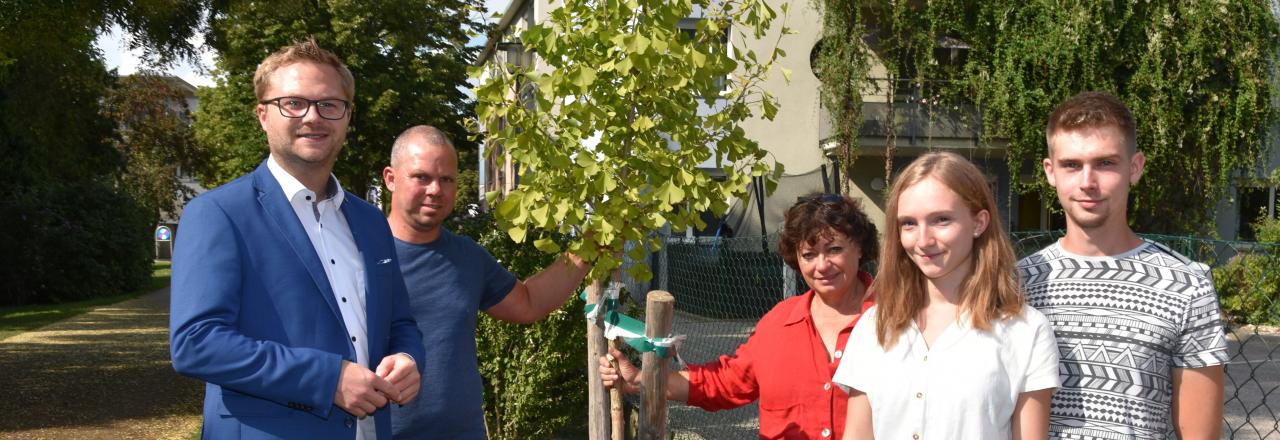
{"x": 58, "y": 155}
{"x": 155, "y": 138}
{"x": 409, "y": 59}
{"x": 607, "y": 132}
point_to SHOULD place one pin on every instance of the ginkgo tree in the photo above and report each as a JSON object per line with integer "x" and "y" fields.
{"x": 607, "y": 129}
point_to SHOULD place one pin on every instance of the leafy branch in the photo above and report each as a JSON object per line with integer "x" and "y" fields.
{"x": 610, "y": 128}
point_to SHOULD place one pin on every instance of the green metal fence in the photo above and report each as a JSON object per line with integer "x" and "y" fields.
{"x": 723, "y": 285}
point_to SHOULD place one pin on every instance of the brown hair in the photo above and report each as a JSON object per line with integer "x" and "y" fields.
{"x": 988, "y": 293}
{"x": 1091, "y": 111}
{"x": 301, "y": 51}
{"x": 815, "y": 214}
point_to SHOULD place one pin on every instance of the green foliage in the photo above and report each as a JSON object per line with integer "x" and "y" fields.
{"x": 154, "y": 136}
{"x": 842, "y": 65}
{"x": 1267, "y": 230}
{"x": 1249, "y": 284}
{"x": 532, "y": 373}
{"x": 608, "y": 135}
{"x": 408, "y": 57}
{"x": 1197, "y": 74}
{"x": 227, "y": 128}
{"x": 69, "y": 230}
{"x": 72, "y": 241}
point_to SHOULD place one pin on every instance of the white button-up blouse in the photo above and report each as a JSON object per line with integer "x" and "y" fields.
{"x": 964, "y": 387}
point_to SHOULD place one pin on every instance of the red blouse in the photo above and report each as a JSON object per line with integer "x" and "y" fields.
{"x": 784, "y": 364}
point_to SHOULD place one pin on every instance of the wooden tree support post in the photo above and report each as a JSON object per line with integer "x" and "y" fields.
{"x": 653, "y": 410}
{"x": 597, "y": 398}
{"x": 617, "y": 409}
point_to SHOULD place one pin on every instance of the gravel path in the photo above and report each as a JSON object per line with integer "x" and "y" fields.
{"x": 101, "y": 375}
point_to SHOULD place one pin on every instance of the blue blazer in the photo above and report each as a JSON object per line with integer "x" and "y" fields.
{"x": 254, "y": 317}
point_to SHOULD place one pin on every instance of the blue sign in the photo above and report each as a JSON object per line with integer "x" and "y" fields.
{"x": 163, "y": 234}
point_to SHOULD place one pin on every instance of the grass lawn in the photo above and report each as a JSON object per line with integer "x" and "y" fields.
{"x": 15, "y": 320}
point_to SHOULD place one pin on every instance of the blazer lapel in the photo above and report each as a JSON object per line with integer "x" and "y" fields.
{"x": 278, "y": 209}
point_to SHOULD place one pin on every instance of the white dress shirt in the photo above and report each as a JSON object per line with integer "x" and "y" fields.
{"x": 343, "y": 267}
{"x": 963, "y": 387}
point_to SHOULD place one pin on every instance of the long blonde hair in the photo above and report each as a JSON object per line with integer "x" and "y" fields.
{"x": 988, "y": 293}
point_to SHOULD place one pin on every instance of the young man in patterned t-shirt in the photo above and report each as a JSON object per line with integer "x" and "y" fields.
{"x": 1138, "y": 325}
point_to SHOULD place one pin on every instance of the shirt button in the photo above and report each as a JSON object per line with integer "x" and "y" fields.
{"x": 915, "y": 436}
{"x": 839, "y": 353}
{"x": 826, "y": 386}
{"x": 308, "y": 198}
{"x": 919, "y": 395}
{"x": 926, "y": 358}
{"x": 344, "y": 299}
{"x": 332, "y": 262}
{"x": 826, "y": 432}
{"x": 353, "y": 339}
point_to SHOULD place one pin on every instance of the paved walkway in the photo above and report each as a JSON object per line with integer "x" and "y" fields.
{"x": 101, "y": 375}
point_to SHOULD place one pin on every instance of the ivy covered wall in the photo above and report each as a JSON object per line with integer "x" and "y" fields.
{"x": 1198, "y": 75}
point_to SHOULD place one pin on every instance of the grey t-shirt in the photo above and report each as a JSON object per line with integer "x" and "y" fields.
{"x": 449, "y": 281}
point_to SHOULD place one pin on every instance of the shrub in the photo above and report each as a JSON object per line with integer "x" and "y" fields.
{"x": 1249, "y": 284}
{"x": 71, "y": 241}
{"x": 1267, "y": 230}
{"x": 534, "y": 374}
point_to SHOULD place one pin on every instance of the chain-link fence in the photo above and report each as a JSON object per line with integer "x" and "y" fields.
{"x": 723, "y": 286}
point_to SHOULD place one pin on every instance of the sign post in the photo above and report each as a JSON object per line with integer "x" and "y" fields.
{"x": 164, "y": 243}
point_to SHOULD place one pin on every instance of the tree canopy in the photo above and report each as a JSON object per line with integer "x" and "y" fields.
{"x": 153, "y": 134}
{"x": 409, "y": 60}
{"x": 67, "y": 229}
{"x": 1197, "y": 75}
{"x": 609, "y": 135}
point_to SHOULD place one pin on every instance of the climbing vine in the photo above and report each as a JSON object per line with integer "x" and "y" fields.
{"x": 1197, "y": 74}
{"x": 842, "y": 63}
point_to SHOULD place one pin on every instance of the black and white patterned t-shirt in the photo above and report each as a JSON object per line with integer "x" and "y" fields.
{"x": 1122, "y": 322}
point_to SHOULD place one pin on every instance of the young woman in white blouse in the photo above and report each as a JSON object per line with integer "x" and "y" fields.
{"x": 951, "y": 351}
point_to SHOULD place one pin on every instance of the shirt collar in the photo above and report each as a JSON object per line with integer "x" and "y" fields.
{"x": 800, "y": 311}
{"x": 292, "y": 187}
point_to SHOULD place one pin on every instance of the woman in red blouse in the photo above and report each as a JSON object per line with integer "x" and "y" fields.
{"x": 787, "y": 363}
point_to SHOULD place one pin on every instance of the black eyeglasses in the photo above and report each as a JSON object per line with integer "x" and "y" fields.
{"x": 295, "y": 107}
{"x": 825, "y": 199}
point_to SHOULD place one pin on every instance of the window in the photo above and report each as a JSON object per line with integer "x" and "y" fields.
{"x": 1254, "y": 203}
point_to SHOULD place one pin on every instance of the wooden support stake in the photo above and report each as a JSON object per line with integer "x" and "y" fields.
{"x": 617, "y": 413}
{"x": 597, "y": 399}
{"x": 653, "y": 410}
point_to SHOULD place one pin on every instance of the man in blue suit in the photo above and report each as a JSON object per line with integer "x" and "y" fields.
{"x": 287, "y": 297}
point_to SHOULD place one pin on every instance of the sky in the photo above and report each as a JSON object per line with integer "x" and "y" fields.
{"x": 118, "y": 56}
{"x": 196, "y": 72}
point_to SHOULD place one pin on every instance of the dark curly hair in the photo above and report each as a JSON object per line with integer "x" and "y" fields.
{"x": 815, "y": 214}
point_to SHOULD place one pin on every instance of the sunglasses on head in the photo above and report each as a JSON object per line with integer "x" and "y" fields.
{"x": 826, "y": 199}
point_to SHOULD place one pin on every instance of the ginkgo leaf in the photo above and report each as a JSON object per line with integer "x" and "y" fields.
{"x": 517, "y": 233}
{"x": 546, "y": 245}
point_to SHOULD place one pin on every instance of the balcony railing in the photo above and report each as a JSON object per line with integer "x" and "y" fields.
{"x": 918, "y": 120}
